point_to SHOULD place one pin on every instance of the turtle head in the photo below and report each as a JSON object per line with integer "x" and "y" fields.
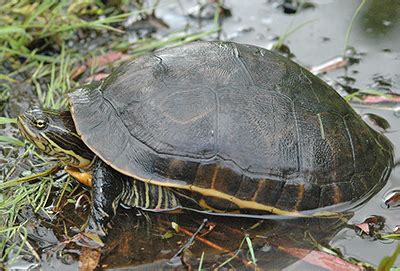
{"x": 54, "y": 133}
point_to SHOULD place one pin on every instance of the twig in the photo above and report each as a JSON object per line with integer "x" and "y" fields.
{"x": 191, "y": 239}
{"x": 213, "y": 245}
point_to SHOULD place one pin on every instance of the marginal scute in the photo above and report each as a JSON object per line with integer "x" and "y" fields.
{"x": 272, "y": 188}
{"x": 227, "y": 181}
{"x": 204, "y": 176}
{"x": 237, "y": 121}
{"x": 248, "y": 188}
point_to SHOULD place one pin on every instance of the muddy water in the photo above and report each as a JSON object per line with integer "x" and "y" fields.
{"x": 148, "y": 242}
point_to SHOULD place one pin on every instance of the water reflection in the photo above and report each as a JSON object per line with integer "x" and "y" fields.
{"x": 276, "y": 244}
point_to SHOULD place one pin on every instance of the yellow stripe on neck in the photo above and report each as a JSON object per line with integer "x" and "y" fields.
{"x": 82, "y": 162}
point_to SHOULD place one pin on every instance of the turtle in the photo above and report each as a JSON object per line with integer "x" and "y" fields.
{"x": 216, "y": 127}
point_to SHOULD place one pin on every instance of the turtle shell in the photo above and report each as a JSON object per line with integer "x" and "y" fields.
{"x": 239, "y": 126}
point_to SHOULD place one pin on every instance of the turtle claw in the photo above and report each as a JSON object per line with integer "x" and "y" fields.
{"x": 95, "y": 228}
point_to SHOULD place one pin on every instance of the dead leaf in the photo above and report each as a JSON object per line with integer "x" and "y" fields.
{"x": 393, "y": 199}
{"x": 93, "y": 238}
{"x": 96, "y": 77}
{"x": 371, "y": 99}
{"x": 364, "y": 227}
{"x": 89, "y": 259}
{"x": 370, "y": 225}
{"x": 322, "y": 259}
{"x": 77, "y": 71}
{"x": 105, "y": 59}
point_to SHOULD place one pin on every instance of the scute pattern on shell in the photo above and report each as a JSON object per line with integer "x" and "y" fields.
{"x": 251, "y": 115}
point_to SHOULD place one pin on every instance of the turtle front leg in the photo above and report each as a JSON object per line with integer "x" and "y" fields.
{"x": 107, "y": 188}
{"x": 84, "y": 178}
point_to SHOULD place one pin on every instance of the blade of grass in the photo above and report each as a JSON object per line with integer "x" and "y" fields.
{"x": 30, "y": 57}
{"x": 11, "y": 140}
{"x": 18, "y": 181}
{"x": 394, "y": 236}
{"x": 97, "y": 24}
{"x": 284, "y": 37}
{"x": 233, "y": 256}
{"x": 4, "y": 120}
{"x": 44, "y": 194}
{"x": 44, "y": 6}
{"x": 201, "y": 261}
{"x": 7, "y": 78}
{"x": 387, "y": 262}
{"x": 250, "y": 245}
{"x": 369, "y": 91}
{"x": 30, "y": 247}
{"x": 60, "y": 197}
{"x": 346, "y": 40}
{"x": 6, "y": 30}
{"x": 177, "y": 40}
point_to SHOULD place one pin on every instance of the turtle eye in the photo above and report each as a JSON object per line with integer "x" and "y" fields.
{"x": 40, "y": 124}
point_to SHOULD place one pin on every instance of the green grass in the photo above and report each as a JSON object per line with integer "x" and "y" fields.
{"x": 357, "y": 96}
{"x": 283, "y": 38}
{"x": 387, "y": 263}
{"x": 11, "y": 228}
{"x": 11, "y": 141}
{"x": 249, "y": 243}
{"x": 350, "y": 27}
{"x": 4, "y": 120}
{"x": 393, "y": 236}
{"x": 251, "y": 250}
{"x": 200, "y": 268}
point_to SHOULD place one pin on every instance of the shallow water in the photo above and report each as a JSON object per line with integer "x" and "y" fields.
{"x": 147, "y": 242}
{"x": 368, "y": 250}
{"x": 374, "y": 33}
